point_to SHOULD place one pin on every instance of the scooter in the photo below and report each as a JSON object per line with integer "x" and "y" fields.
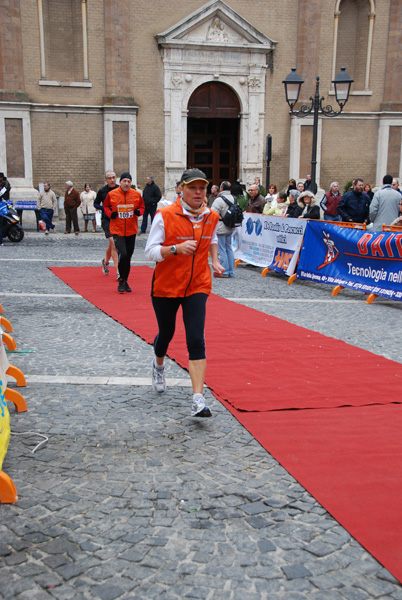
{"x": 10, "y": 222}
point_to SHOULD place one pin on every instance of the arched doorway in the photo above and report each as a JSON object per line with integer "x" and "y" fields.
{"x": 213, "y": 131}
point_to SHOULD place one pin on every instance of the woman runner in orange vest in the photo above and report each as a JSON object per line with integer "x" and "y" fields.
{"x": 181, "y": 236}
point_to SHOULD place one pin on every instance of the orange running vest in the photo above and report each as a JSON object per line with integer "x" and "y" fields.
{"x": 178, "y": 276}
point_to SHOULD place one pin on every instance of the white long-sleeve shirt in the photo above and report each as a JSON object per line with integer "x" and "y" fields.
{"x": 157, "y": 234}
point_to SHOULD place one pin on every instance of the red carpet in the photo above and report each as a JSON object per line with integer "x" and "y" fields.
{"x": 350, "y": 458}
{"x": 255, "y": 362}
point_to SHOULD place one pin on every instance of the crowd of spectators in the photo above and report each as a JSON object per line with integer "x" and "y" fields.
{"x": 358, "y": 204}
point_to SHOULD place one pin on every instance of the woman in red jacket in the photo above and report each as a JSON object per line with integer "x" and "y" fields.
{"x": 181, "y": 236}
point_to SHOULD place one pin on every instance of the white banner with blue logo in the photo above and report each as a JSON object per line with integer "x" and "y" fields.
{"x": 370, "y": 262}
{"x": 272, "y": 242}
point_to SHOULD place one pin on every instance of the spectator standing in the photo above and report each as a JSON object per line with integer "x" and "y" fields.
{"x": 151, "y": 196}
{"x": 123, "y": 206}
{"x": 280, "y": 207}
{"x": 291, "y": 186}
{"x": 257, "y": 182}
{"x": 111, "y": 252}
{"x": 294, "y": 210}
{"x": 181, "y": 237}
{"x": 384, "y": 208}
{"x": 395, "y": 185}
{"x": 398, "y": 220}
{"x": 272, "y": 194}
{"x": 213, "y": 195}
{"x": 5, "y": 187}
{"x": 225, "y": 250}
{"x": 354, "y": 205}
{"x": 330, "y": 202}
{"x": 71, "y": 204}
{"x": 308, "y": 203}
{"x": 237, "y": 188}
{"x": 368, "y": 190}
{"x": 46, "y": 205}
{"x": 256, "y": 202}
{"x": 300, "y": 187}
{"x": 88, "y": 209}
{"x": 308, "y": 184}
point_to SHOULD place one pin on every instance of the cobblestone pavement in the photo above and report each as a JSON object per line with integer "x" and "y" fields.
{"x": 131, "y": 497}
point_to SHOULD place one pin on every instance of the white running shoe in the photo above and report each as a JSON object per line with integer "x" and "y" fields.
{"x": 105, "y": 267}
{"x": 158, "y": 378}
{"x": 199, "y": 408}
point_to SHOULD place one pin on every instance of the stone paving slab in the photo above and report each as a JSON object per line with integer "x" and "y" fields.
{"x": 131, "y": 497}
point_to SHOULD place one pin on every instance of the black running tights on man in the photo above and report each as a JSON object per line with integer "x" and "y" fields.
{"x": 125, "y": 248}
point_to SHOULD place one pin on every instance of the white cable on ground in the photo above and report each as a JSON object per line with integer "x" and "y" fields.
{"x": 33, "y": 433}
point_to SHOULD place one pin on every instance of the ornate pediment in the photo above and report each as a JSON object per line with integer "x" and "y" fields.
{"x": 215, "y": 25}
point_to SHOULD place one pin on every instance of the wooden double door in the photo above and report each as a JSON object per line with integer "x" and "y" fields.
{"x": 213, "y": 132}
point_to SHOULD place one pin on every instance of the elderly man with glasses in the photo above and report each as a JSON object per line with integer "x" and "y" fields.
{"x": 256, "y": 202}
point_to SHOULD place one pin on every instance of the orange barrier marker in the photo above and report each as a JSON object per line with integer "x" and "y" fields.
{"x": 9, "y": 341}
{"x": 17, "y": 374}
{"x": 292, "y": 278}
{"x": 265, "y": 271}
{"x": 336, "y": 290}
{"x": 6, "y": 324}
{"x": 371, "y": 298}
{"x": 17, "y": 399}
{"x": 8, "y": 491}
{"x": 1, "y": 309}
{"x": 237, "y": 262}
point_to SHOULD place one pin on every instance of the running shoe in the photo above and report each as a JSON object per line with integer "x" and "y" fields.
{"x": 158, "y": 379}
{"x": 105, "y": 267}
{"x": 199, "y": 408}
{"x": 121, "y": 288}
{"x": 127, "y": 288}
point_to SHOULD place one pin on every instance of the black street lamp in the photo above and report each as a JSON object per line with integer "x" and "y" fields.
{"x": 293, "y": 83}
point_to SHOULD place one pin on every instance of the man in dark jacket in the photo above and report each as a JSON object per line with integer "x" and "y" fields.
{"x": 111, "y": 252}
{"x": 71, "y": 203}
{"x": 256, "y": 202}
{"x": 355, "y": 205}
{"x": 308, "y": 184}
{"x": 151, "y": 196}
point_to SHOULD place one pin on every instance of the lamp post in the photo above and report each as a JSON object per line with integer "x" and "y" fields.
{"x": 293, "y": 83}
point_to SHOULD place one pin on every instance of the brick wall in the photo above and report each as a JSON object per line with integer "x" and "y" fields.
{"x": 353, "y": 40}
{"x": 394, "y": 151}
{"x": 393, "y": 76}
{"x": 14, "y": 148}
{"x": 11, "y": 62}
{"x": 308, "y": 42}
{"x": 349, "y": 150}
{"x": 68, "y": 146}
{"x": 120, "y": 147}
{"x": 306, "y": 144}
{"x": 117, "y": 46}
{"x": 62, "y": 20}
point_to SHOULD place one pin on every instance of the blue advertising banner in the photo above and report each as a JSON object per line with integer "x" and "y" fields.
{"x": 370, "y": 262}
{"x": 272, "y": 242}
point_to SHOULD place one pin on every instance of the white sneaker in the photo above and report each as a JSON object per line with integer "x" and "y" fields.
{"x": 199, "y": 408}
{"x": 158, "y": 378}
{"x": 105, "y": 267}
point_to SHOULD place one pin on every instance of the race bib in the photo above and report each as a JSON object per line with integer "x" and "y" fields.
{"x": 125, "y": 211}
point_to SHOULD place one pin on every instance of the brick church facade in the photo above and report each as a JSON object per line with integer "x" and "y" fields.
{"x": 91, "y": 85}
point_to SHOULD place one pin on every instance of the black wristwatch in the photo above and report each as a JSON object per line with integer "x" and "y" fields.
{"x": 173, "y": 249}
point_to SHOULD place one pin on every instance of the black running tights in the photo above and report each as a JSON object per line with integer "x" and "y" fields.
{"x": 193, "y": 318}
